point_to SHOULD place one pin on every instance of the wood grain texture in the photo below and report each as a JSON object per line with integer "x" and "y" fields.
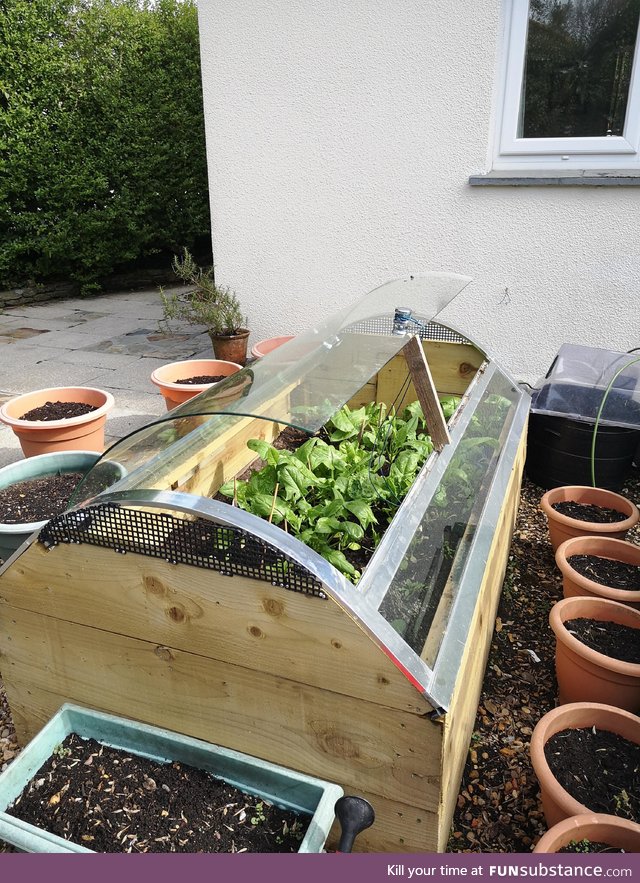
{"x": 234, "y": 619}
{"x": 345, "y": 740}
{"x": 426, "y": 393}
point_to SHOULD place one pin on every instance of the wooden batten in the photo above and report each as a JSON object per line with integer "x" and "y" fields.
{"x": 426, "y": 392}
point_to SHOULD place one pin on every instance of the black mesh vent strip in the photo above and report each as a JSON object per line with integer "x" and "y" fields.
{"x": 199, "y": 543}
{"x": 428, "y": 331}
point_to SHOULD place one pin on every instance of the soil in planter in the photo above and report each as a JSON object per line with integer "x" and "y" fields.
{"x": 58, "y": 411}
{"x": 589, "y": 512}
{"x": 201, "y": 378}
{"x": 607, "y": 571}
{"x": 598, "y": 768}
{"x": 111, "y": 801}
{"x": 611, "y": 638}
{"x": 585, "y": 846}
{"x": 37, "y": 499}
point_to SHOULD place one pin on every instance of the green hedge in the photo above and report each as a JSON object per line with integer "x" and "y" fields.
{"x": 101, "y": 136}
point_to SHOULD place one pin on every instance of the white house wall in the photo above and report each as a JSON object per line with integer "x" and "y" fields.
{"x": 341, "y": 135}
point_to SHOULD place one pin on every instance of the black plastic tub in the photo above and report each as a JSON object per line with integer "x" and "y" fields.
{"x": 559, "y": 448}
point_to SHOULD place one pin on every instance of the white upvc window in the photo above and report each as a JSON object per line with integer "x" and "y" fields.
{"x": 570, "y": 97}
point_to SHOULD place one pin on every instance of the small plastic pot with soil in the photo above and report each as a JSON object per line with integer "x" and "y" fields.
{"x": 180, "y": 381}
{"x": 586, "y": 756}
{"x": 601, "y": 567}
{"x": 597, "y": 652}
{"x": 36, "y": 489}
{"x": 577, "y": 511}
{"x": 68, "y": 418}
{"x": 591, "y": 833}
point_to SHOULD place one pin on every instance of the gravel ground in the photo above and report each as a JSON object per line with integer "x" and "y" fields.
{"x": 498, "y": 805}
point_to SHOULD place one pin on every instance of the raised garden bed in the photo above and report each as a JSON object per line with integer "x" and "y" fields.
{"x": 213, "y": 611}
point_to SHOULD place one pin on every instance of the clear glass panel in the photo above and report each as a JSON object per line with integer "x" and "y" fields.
{"x": 578, "y": 65}
{"x": 422, "y": 592}
{"x": 301, "y": 383}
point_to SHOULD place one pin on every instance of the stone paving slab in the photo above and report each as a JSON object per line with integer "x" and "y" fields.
{"x": 112, "y": 341}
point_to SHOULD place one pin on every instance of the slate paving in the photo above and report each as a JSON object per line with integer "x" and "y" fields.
{"x": 112, "y": 341}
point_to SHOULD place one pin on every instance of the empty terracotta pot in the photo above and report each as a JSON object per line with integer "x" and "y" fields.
{"x": 175, "y": 393}
{"x": 557, "y": 803}
{"x": 596, "y": 827}
{"x": 85, "y": 432}
{"x": 263, "y": 347}
{"x": 584, "y": 674}
{"x": 562, "y": 527}
{"x": 574, "y": 583}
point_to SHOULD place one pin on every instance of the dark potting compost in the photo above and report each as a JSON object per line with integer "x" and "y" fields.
{"x": 58, "y": 411}
{"x": 37, "y": 499}
{"x": 111, "y": 801}
{"x": 598, "y": 768}
{"x": 201, "y": 378}
{"x": 586, "y": 846}
{"x": 588, "y": 512}
{"x": 607, "y": 571}
{"x": 610, "y": 638}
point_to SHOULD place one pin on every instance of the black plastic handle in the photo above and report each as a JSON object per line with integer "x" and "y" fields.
{"x": 354, "y": 814}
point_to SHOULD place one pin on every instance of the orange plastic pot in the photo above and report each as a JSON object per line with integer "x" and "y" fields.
{"x": 557, "y": 803}
{"x": 85, "y": 432}
{"x": 583, "y": 674}
{"x": 597, "y": 827}
{"x": 574, "y": 583}
{"x": 562, "y": 528}
{"x": 263, "y": 347}
{"x": 175, "y": 393}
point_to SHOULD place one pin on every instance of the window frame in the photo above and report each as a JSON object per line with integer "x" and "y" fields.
{"x": 512, "y": 152}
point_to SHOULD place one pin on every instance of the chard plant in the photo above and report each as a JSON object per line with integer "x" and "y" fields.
{"x": 337, "y": 492}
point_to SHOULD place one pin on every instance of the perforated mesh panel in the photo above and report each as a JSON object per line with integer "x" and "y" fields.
{"x": 200, "y": 543}
{"x": 428, "y": 331}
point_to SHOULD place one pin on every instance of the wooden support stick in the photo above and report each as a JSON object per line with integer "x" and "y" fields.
{"x": 426, "y": 392}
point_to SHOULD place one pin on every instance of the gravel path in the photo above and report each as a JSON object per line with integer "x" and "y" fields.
{"x": 498, "y": 804}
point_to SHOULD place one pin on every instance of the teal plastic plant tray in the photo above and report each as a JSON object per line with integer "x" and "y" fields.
{"x": 283, "y": 787}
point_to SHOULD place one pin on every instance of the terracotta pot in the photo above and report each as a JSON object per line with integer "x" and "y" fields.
{"x": 562, "y": 528}
{"x": 231, "y": 348}
{"x": 71, "y": 434}
{"x": 557, "y": 803}
{"x": 597, "y": 827}
{"x": 263, "y": 347}
{"x": 175, "y": 393}
{"x": 583, "y": 674}
{"x": 575, "y": 583}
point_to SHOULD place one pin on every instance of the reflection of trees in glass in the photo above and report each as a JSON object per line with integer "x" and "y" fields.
{"x": 578, "y": 67}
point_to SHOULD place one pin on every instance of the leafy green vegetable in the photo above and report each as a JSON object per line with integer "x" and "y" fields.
{"x": 333, "y": 494}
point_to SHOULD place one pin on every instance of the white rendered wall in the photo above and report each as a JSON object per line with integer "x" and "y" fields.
{"x": 340, "y": 137}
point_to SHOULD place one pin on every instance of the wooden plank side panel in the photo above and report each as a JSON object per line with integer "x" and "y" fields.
{"x": 233, "y": 619}
{"x": 460, "y": 718}
{"x": 398, "y": 827}
{"x": 45, "y": 662}
{"x": 453, "y": 367}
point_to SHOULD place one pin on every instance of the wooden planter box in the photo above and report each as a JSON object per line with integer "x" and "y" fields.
{"x": 280, "y": 786}
{"x": 308, "y": 673}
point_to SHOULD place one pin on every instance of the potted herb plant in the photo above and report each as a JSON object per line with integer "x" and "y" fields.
{"x": 206, "y": 303}
{"x": 597, "y": 651}
{"x": 602, "y": 567}
{"x": 188, "y": 793}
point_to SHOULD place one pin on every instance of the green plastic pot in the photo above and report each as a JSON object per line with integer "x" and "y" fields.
{"x": 13, "y": 535}
{"x": 282, "y": 787}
